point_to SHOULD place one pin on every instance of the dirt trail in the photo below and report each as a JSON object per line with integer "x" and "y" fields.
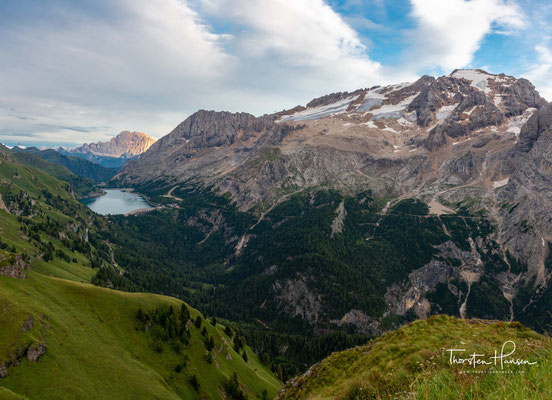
{"x": 170, "y": 194}
{"x": 272, "y": 207}
{"x": 3, "y": 206}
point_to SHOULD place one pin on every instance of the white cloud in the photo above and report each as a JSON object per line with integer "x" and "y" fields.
{"x": 60, "y": 122}
{"x": 305, "y": 44}
{"x": 146, "y": 64}
{"x": 450, "y": 32}
{"x": 126, "y": 67}
{"x": 308, "y": 32}
{"x": 540, "y": 74}
{"x": 143, "y": 43}
{"x": 72, "y": 75}
{"x": 82, "y": 71}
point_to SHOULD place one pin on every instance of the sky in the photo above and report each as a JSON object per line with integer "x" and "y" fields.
{"x": 75, "y": 71}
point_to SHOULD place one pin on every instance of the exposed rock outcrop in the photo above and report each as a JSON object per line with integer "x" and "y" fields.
{"x": 3, "y": 205}
{"x": 28, "y": 324}
{"x": 527, "y": 221}
{"x": 15, "y": 268}
{"x": 401, "y": 298}
{"x": 338, "y": 222}
{"x": 207, "y": 129}
{"x": 298, "y": 299}
{"x": 35, "y": 351}
{"x": 4, "y": 369}
{"x": 363, "y": 322}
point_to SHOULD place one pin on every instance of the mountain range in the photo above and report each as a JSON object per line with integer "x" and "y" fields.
{"x": 472, "y": 148}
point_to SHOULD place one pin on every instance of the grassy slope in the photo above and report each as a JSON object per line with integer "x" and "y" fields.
{"x": 25, "y": 176}
{"x": 411, "y": 363}
{"x": 16, "y": 177}
{"x": 94, "y": 351}
{"x": 81, "y": 186}
{"x": 93, "y": 347}
{"x": 10, "y": 234}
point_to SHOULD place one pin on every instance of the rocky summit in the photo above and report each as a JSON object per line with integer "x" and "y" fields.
{"x": 126, "y": 144}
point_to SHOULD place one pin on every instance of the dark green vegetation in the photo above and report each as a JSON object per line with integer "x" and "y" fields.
{"x": 62, "y": 337}
{"x": 288, "y": 279}
{"x": 412, "y": 363}
{"x": 300, "y": 351}
{"x": 79, "y": 166}
{"x": 487, "y": 301}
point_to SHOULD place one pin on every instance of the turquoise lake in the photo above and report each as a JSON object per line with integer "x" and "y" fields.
{"x": 116, "y": 201}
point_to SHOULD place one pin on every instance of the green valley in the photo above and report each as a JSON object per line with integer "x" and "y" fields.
{"x": 257, "y": 280}
{"x": 265, "y": 274}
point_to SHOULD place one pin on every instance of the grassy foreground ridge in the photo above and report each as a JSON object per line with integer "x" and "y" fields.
{"x": 413, "y": 363}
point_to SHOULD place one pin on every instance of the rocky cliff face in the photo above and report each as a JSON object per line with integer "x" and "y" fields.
{"x": 526, "y": 214}
{"x": 126, "y": 144}
{"x": 467, "y": 138}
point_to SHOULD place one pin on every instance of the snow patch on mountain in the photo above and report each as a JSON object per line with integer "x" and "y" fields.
{"x": 369, "y": 103}
{"x": 444, "y": 112}
{"x": 394, "y": 111}
{"x": 372, "y": 99}
{"x": 517, "y": 122}
{"x": 400, "y": 86}
{"x": 319, "y": 112}
{"x": 478, "y": 78}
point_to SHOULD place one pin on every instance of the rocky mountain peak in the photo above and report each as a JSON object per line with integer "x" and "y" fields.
{"x": 126, "y": 144}
{"x": 208, "y": 129}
